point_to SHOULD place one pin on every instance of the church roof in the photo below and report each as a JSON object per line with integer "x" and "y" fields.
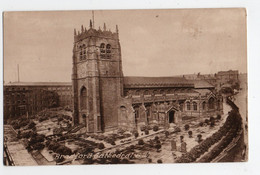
{"x": 137, "y": 82}
{"x": 201, "y": 84}
{"x": 39, "y": 84}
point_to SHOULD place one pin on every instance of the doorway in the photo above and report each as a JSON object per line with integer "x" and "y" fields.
{"x": 171, "y": 117}
{"x": 84, "y": 117}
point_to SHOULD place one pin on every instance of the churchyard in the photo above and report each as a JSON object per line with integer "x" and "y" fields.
{"x": 51, "y": 139}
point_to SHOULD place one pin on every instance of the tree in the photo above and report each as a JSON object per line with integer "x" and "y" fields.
{"x": 186, "y": 127}
{"x": 181, "y": 138}
{"x": 158, "y": 147}
{"x": 136, "y": 134}
{"x": 141, "y": 142}
{"x": 159, "y": 161}
{"x": 190, "y": 134}
{"x": 155, "y": 128}
{"x": 199, "y": 136}
{"x": 101, "y": 146}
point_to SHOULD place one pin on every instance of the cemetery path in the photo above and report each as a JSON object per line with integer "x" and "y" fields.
{"x": 17, "y": 150}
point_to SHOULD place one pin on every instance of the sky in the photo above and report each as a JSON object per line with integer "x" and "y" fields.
{"x": 153, "y": 42}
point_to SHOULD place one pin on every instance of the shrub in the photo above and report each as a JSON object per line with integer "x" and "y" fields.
{"x": 181, "y": 138}
{"x": 177, "y": 129}
{"x": 143, "y": 128}
{"x": 132, "y": 147}
{"x": 201, "y": 124}
{"x": 43, "y": 119}
{"x": 212, "y": 123}
{"x": 38, "y": 146}
{"x": 167, "y": 133}
{"x": 37, "y": 139}
{"x": 60, "y": 119}
{"x": 57, "y": 131}
{"x": 31, "y": 125}
{"x": 186, "y": 127}
{"x": 66, "y": 151}
{"x": 150, "y": 160}
{"x": 199, "y": 136}
{"x": 158, "y": 147}
{"x": 47, "y": 143}
{"x": 211, "y": 118}
{"x": 120, "y": 131}
{"x": 26, "y": 134}
{"x": 155, "y": 128}
{"x": 101, "y": 146}
{"x": 146, "y": 132}
{"x": 29, "y": 148}
{"x": 113, "y": 142}
{"x": 136, "y": 134}
{"x": 218, "y": 117}
{"x": 190, "y": 134}
{"x": 156, "y": 138}
{"x": 159, "y": 161}
{"x": 34, "y": 129}
{"x": 53, "y": 146}
{"x": 141, "y": 142}
{"x": 206, "y": 121}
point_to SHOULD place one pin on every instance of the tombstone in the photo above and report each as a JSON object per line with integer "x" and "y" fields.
{"x": 173, "y": 145}
{"x": 183, "y": 147}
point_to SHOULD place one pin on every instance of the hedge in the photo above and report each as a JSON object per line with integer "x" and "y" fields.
{"x": 229, "y": 130}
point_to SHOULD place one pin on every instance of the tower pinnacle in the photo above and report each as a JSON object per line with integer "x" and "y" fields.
{"x": 104, "y": 28}
{"x": 116, "y": 29}
{"x": 90, "y": 24}
{"x": 82, "y": 29}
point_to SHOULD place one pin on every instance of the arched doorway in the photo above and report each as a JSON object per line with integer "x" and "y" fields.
{"x": 84, "y": 117}
{"x": 171, "y": 116}
{"x": 83, "y": 98}
{"x": 211, "y": 103}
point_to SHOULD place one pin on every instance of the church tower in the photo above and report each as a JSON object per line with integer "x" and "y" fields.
{"x": 97, "y": 78}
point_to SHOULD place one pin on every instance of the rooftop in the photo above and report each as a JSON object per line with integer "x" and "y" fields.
{"x": 201, "y": 84}
{"x": 38, "y": 84}
{"x": 157, "y": 82}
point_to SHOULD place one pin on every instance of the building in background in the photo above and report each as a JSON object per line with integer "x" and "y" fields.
{"x": 27, "y": 98}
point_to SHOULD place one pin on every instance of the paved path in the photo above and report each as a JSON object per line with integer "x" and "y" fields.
{"x": 17, "y": 150}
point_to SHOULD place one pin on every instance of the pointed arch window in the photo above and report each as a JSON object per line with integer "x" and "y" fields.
{"x": 194, "y": 106}
{"x": 102, "y": 51}
{"x": 188, "y": 106}
{"x": 108, "y": 51}
{"x": 83, "y": 98}
{"x": 82, "y": 53}
{"x": 136, "y": 111}
{"x": 181, "y": 107}
{"x": 211, "y": 103}
{"x": 204, "y": 105}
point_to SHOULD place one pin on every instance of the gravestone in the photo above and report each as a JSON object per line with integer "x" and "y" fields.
{"x": 183, "y": 147}
{"x": 173, "y": 145}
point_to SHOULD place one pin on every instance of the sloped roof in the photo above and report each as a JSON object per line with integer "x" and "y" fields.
{"x": 201, "y": 84}
{"x": 39, "y": 84}
{"x": 203, "y": 92}
{"x": 157, "y": 82}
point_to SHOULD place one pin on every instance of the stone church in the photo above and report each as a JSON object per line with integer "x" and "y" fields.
{"x": 105, "y": 100}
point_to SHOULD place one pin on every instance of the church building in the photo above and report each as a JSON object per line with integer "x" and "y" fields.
{"x": 105, "y": 100}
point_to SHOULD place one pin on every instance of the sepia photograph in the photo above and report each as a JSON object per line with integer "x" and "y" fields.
{"x": 157, "y": 86}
